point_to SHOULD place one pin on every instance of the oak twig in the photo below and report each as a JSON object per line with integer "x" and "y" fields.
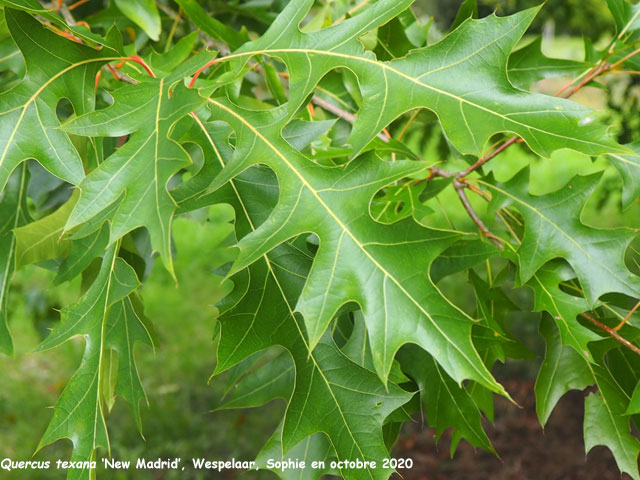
{"x": 602, "y": 67}
{"x": 459, "y": 188}
{"x": 339, "y": 112}
{"x": 121, "y": 76}
{"x": 624, "y": 59}
{"x": 73, "y": 6}
{"x": 481, "y": 161}
{"x": 612, "y": 332}
{"x": 459, "y": 184}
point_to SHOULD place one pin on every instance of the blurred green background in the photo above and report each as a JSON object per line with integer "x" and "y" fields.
{"x": 179, "y": 422}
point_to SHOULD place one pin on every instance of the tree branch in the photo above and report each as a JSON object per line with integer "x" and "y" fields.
{"x": 485, "y": 159}
{"x": 339, "y": 112}
{"x": 459, "y": 188}
{"x": 612, "y": 332}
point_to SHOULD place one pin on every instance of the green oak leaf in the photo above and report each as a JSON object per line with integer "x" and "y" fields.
{"x": 446, "y": 403}
{"x": 393, "y": 41}
{"x": 56, "y": 68}
{"x": 189, "y": 195}
{"x": 250, "y": 323}
{"x": 629, "y": 168}
{"x": 82, "y": 32}
{"x": 626, "y": 366}
{"x": 553, "y": 229}
{"x": 211, "y": 26}
{"x": 274, "y": 379}
{"x": 492, "y": 306}
{"x": 43, "y": 239}
{"x": 529, "y": 65}
{"x": 358, "y": 350}
{"x": 163, "y": 63}
{"x": 81, "y": 253}
{"x": 562, "y": 369}
{"x": 79, "y": 412}
{"x": 315, "y": 448}
{"x": 468, "y": 9}
{"x": 148, "y": 112}
{"x": 125, "y": 327}
{"x": 437, "y": 77}
{"x": 324, "y": 398}
{"x": 383, "y": 268}
{"x": 13, "y": 214}
{"x": 606, "y": 421}
{"x": 564, "y": 308}
{"x": 461, "y": 256}
{"x": 398, "y": 202}
{"x": 143, "y": 13}
{"x": 11, "y": 62}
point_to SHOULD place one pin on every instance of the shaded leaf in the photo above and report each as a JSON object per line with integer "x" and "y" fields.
{"x": 81, "y": 252}
{"x": 314, "y": 448}
{"x": 562, "y": 370}
{"x": 626, "y": 16}
{"x": 43, "y": 239}
{"x": 14, "y": 213}
{"x": 564, "y": 308}
{"x": 605, "y": 426}
{"x": 211, "y": 26}
{"x": 446, "y": 403}
{"x": 126, "y": 327}
{"x": 468, "y": 9}
{"x": 529, "y": 65}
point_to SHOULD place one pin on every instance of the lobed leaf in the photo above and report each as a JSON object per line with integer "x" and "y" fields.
{"x": 79, "y": 412}
{"x": 148, "y": 112}
{"x": 358, "y": 258}
{"x": 55, "y": 69}
{"x": 553, "y": 229}
{"x": 462, "y": 79}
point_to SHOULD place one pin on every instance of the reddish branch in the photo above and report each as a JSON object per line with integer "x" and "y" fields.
{"x": 459, "y": 188}
{"x": 597, "y": 70}
{"x": 481, "y": 161}
{"x": 612, "y": 332}
{"x": 77, "y": 4}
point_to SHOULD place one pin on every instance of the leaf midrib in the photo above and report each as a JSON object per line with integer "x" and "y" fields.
{"x": 291, "y": 312}
{"x": 387, "y": 66}
{"x": 319, "y": 199}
